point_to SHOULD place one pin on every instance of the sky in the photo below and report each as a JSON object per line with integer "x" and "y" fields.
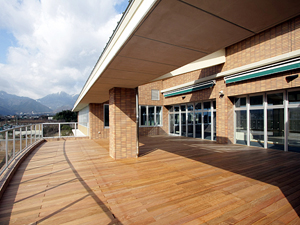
{"x": 48, "y": 46}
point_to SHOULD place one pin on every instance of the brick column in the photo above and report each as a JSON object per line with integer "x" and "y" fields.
{"x": 225, "y": 116}
{"x": 122, "y": 123}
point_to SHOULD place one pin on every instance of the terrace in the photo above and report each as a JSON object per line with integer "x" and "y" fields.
{"x": 176, "y": 180}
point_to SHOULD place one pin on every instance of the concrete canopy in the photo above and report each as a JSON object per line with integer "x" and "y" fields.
{"x": 156, "y": 37}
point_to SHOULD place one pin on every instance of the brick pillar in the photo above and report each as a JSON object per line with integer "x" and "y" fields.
{"x": 122, "y": 123}
{"x": 225, "y": 116}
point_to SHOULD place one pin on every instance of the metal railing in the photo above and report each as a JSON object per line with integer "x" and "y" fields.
{"x": 15, "y": 140}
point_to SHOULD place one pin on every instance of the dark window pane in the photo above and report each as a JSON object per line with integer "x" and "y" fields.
{"x": 198, "y": 106}
{"x": 206, "y": 105}
{"x": 182, "y": 107}
{"x": 256, "y": 100}
{"x": 190, "y": 107}
{"x": 275, "y": 99}
{"x": 176, "y": 108}
{"x": 106, "y": 115}
{"x": 294, "y": 97}
{"x": 151, "y": 116}
{"x": 214, "y": 104}
{"x": 143, "y": 116}
{"x": 240, "y": 102}
{"x": 158, "y": 115}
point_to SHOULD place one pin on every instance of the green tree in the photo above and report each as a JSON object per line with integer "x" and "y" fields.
{"x": 66, "y": 116}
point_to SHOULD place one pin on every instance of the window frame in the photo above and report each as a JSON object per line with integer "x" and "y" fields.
{"x": 147, "y": 116}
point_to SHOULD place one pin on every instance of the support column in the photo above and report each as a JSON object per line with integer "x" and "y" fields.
{"x": 122, "y": 123}
{"x": 225, "y": 116}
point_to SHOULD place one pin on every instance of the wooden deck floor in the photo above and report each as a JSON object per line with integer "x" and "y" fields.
{"x": 175, "y": 181}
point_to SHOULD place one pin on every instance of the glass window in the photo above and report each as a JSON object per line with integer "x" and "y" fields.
{"x": 170, "y": 108}
{"x": 198, "y": 125}
{"x": 294, "y": 130}
{"x": 275, "y": 128}
{"x": 275, "y": 99}
{"x": 294, "y": 97}
{"x": 106, "y": 115}
{"x": 143, "y": 115}
{"x": 151, "y": 121}
{"x": 256, "y": 100}
{"x": 182, "y": 107}
{"x": 257, "y": 128}
{"x": 240, "y": 102}
{"x": 214, "y": 104}
{"x": 190, "y": 107}
{"x": 207, "y": 125}
{"x": 158, "y": 115}
{"x": 206, "y": 105}
{"x": 198, "y": 106}
{"x": 241, "y": 127}
{"x": 176, "y": 108}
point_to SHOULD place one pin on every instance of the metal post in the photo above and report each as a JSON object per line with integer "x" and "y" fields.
{"x": 6, "y": 149}
{"x": 14, "y": 142}
{"x": 20, "y": 139}
{"x": 26, "y": 137}
{"x": 59, "y": 129}
{"x": 31, "y": 134}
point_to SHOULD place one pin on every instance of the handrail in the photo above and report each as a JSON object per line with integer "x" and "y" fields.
{"x": 16, "y": 140}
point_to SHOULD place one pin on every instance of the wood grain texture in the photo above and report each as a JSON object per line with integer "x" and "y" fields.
{"x": 175, "y": 180}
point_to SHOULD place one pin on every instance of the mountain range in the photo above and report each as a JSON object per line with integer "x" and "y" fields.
{"x": 13, "y": 104}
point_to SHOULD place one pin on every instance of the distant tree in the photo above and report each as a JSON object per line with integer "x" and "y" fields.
{"x": 66, "y": 116}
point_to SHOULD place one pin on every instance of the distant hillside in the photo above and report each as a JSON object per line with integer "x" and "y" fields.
{"x": 13, "y": 104}
{"x": 59, "y": 101}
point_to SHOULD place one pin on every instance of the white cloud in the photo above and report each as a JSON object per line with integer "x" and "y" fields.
{"x": 59, "y": 42}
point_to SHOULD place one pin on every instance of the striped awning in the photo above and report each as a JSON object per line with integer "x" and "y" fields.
{"x": 264, "y": 71}
{"x": 190, "y": 88}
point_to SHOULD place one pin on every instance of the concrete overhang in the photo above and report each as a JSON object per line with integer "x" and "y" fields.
{"x": 156, "y": 37}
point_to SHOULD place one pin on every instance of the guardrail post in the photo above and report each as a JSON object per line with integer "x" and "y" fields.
{"x": 30, "y": 134}
{"x": 59, "y": 129}
{"x": 20, "y": 139}
{"x": 14, "y": 142}
{"x": 6, "y": 149}
{"x": 34, "y": 132}
{"x": 26, "y": 137}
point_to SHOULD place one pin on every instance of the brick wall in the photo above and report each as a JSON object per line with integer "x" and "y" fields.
{"x": 145, "y": 93}
{"x": 96, "y": 121}
{"x": 122, "y": 120}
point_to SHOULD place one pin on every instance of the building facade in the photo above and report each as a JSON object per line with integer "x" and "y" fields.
{"x": 251, "y": 97}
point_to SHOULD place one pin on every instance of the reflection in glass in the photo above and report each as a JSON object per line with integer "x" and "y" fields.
{"x": 176, "y": 108}
{"x": 198, "y": 127}
{"x": 241, "y": 127}
{"x": 158, "y": 115}
{"x": 182, "y": 108}
{"x": 207, "y": 125}
{"x": 190, "y": 124}
{"x": 275, "y": 128}
{"x": 257, "y": 128}
{"x": 171, "y": 119}
{"x": 294, "y": 130}
{"x": 190, "y": 107}
{"x": 214, "y": 126}
{"x": 198, "y": 106}
{"x": 240, "y": 102}
{"x": 176, "y": 123}
{"x": 183, "y": 123}
{"x": 143, "y": 116}
{"x": 151, "y": 115}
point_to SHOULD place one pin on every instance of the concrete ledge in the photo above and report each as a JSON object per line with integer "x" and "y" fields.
{"x": 8, "y": 174}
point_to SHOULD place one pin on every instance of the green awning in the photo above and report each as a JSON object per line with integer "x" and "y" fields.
{"x": 190, "y": 88}
{"x": 264, "y": 71}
